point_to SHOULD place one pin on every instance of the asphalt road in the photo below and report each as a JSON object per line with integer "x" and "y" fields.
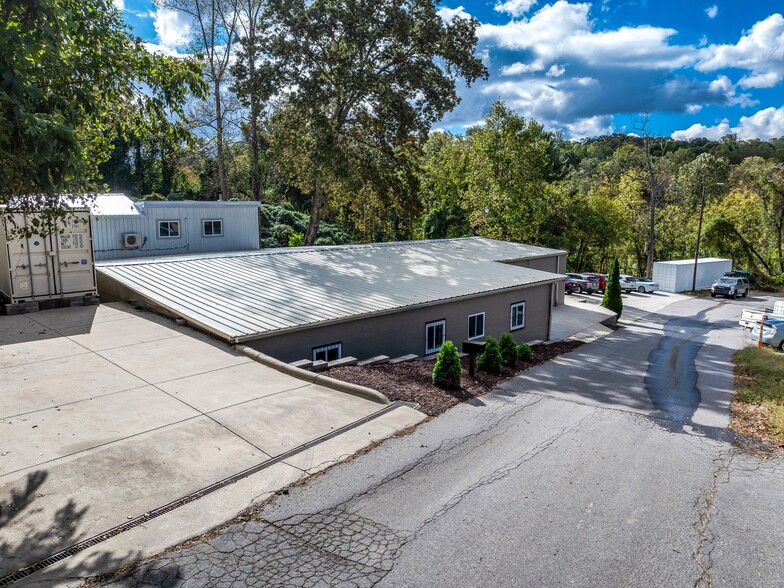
{"x": 610, "y": 466}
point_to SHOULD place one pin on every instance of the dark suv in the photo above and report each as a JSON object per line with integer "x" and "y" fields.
{"x": 730, "y": 287}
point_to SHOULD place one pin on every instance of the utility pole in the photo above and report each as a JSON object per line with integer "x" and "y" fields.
{"x": 699, "y": 236}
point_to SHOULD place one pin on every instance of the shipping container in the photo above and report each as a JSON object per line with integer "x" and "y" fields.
{"x": 37, "y": 268}
{"x": 677, "y": 275}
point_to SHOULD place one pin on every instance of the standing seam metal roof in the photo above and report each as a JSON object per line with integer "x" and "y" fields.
{"x": 247, "y": 295}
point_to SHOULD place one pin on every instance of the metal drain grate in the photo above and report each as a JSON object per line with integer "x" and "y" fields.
{"x": 162, "y": 510}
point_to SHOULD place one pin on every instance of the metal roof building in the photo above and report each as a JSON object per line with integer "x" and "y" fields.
{"x": 123, "y": 228}
{"x": 252, "y": 296}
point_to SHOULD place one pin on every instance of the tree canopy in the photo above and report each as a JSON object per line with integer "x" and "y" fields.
{"x": 73, "y": 78}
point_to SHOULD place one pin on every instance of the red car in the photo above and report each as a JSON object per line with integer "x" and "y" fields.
{"x": 602, "y": 280}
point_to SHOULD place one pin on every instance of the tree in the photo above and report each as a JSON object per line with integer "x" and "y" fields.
{"x": 509, "y": 159}
{"x": 490, "y": 360}
{"x": 612, "y": 292}
{"x": 447, "y": 372}
{"x": 253, "y": 80}
{"x": 362, "y": 79}
{"x": 215, "y": 24}
{"x": 72, "y": 82}
{"x": 766, "y": 179}
{"x": 509, "y": 351}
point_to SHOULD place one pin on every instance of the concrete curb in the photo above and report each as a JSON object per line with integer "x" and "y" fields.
{"x": 321, "y": 380}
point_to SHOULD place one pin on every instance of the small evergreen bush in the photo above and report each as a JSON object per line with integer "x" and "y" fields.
{"x": 448, "y": 373}
{"x": 524, "y": 352}
{"x": 612, "y": 292}
{"x": 509, "y": 352}
{"x": 490, "y": 359}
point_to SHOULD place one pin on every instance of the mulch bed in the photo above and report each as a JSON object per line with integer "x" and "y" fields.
{"x": 411, "y": 381}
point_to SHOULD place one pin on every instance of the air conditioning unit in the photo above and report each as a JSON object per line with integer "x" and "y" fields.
{"x": 132, "y": 240}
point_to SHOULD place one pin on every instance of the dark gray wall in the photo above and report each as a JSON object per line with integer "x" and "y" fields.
{"x": 554, "y": 263}
{"x": 403, "y": 332}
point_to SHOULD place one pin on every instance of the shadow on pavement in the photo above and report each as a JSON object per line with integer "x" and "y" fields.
{"x": 63, "y": 533}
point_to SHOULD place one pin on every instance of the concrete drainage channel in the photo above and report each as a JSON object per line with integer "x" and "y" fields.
{"x": 157, "y": 512}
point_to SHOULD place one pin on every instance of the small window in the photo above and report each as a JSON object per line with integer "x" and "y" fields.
{"x": 329, "y": 352}
{"x": 517, "y": 320}
{"x": 169, "y": 229}
{"x": 212, "y": 228}
{"x": 435, "y": 335}
{"x": 476, "y": 326}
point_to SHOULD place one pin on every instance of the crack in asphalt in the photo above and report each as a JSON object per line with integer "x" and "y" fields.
{"x": 703, "y": 506}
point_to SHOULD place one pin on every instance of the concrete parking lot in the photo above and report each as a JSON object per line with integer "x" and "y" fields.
{"x": 108, "y": 412}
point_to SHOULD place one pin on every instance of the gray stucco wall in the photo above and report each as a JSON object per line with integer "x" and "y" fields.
{"x": 403, "y": 332}
{"x": 554, "y": 263}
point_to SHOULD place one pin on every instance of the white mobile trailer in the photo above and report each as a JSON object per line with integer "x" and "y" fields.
{"x": 59, "y": 265}
{"x": 677, "y": 275}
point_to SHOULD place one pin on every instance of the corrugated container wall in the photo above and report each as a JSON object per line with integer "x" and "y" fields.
{"x": 230, "y": 226}
{"x": 44, "y": 268}
{"x": 677, "y": 276}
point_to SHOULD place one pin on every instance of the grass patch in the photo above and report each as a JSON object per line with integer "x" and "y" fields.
{"x": 759, "y": 381}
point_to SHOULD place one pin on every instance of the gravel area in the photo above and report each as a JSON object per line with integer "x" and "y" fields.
{"x": 411, "y": 381}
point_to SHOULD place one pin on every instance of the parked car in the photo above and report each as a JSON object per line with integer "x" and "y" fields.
{"x": 628, "y": 283}
{"x": 772, "y": 333}
{"x": 586, "y": 285}
{"x": 570, "y": 285}
{"x": 602, "y": 279}
{"x": 646, "y": 285}
{"x": 730, "y": 287}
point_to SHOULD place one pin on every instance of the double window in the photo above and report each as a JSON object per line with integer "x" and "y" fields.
{"x": 168, "y": 229}
{"x": 476, "y": 326}
{"x": 329, "y": 352}
{"x": 435, "y": 335}
{"x": 212, "y": 228}
{"x": 517, "y": 316}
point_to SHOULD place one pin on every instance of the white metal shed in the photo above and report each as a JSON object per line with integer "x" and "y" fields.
{"x": 677, "y": 275}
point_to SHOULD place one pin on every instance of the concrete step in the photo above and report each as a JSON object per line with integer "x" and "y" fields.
{"x": 403, "y": 358}
{"x": 342, "y": 361}
{"x": 319, "y": 366}
{"x": 377, "y": 360}
{"x": 304, "y": 364}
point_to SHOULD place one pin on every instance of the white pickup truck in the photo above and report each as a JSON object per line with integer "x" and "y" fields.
{"x": 749, "y": 318}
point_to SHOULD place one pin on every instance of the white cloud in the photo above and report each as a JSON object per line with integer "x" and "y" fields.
{"x": 164, "y": 50}
{"x": 521, "y": 68}
{"x": 693, "y": 108}
{"x": 450, "y": 14}
{"x": 712, "y": 11}
{"x": 120, "y": 4}
{"x": 555, "y": 71}
{"x": 563, "y": 30}
{"x": 590, "y": 127}
{"x": 514, "y": 7}
{"x": 764, "y": 124}
{"x": 172, "y": 27}
{"x": 760, "y": 51}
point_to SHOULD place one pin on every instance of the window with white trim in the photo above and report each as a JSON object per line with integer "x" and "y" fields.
{"x": 329, "y": 352}
{"x": 476, "y": 325}
{"x": 168, "y": 229}
{"x": 517, "y": 318}
{"x": 212, "y": 228}
{"x": 435, "y": 335}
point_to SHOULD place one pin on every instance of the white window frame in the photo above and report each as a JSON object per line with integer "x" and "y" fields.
{"x": 435, "y": 324}
{"x": 478, "y": 335}
{"x": 513, "y": 314}
{"x": 204, "y": 222}
{"x": 169, "y": 222}
{"x": 327, "y": 348}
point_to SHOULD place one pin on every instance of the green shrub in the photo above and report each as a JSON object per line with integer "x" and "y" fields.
{"x": 509, "y": 352}
{"x": 612, "y": 292}
{"x": 490, "y": 359}
{"x": 447, "y": 373}
{"x": 296, "y": 239}
{"x": 524, "y": 352}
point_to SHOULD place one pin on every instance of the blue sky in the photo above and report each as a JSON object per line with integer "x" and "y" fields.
{"x": 700, "y": 69}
